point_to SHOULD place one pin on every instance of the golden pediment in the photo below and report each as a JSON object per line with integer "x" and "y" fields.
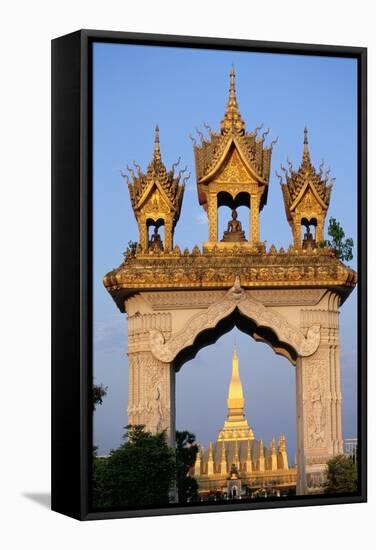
{"x": 308, "y": 203}
{"x": 155, "y": 204}
{"x": 233, "y": 170}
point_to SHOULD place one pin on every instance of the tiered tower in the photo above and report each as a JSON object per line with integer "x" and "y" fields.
{"x": 306, "y": 194}
{"x": 233, "y": 168}
{"x": 156, "y": 198}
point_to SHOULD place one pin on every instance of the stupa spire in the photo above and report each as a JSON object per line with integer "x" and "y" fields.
{"x": 235, "y": 400}
{"x": 236, "y": 425}
{"x": 232, "y": 119}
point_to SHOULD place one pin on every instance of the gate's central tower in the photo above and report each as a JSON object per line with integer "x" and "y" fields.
{"x": 233, "y": 168}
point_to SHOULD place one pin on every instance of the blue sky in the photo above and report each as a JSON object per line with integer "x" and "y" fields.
{"x": 136, "y": 87}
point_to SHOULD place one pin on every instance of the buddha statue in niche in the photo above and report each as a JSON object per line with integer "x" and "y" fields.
{"x": 234, "y": 231}
{"x": 155, "y": 242}
{"x": 308, "y": 240}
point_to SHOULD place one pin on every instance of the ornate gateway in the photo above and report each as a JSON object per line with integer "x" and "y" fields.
{"x": 179, "y": 301}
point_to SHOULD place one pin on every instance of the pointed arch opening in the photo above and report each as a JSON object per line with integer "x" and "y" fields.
{"x": 236, "y": 319}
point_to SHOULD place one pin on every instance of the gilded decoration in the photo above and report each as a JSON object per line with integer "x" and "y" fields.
{"x": 156, "y": 198}
{"x": 312, "y": 268}
{"x": 232, "y": 163}
{"x": 306, "y": 194}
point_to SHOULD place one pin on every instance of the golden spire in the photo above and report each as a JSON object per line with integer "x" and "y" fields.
{"x": 232, "y": 119}
{"x": 223, "y": 459}
{"x": 306, "y": 156}
{"x": 223, "y": 454}
{"x": 157, "y": 151}
{"x": 236, "y": 425}
{"x": 210, "y": 460}
{"x": 273, "y": 457}
{"x": 249, "y": 457}
{"x": 235, "y": 401}
{"x": 198, "y": 462}
{"x": 262, "y": 448}
{"x": 282, "y": 443}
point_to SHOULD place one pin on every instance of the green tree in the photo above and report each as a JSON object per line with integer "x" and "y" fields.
{"x": 99, "y": 392}
{"x": 341, "y": 475}
{"x": 186, "y": 451}
{"x": 140, "y": 472}
{"x": 131, "y": 249}
{"x": 343, "y": 247}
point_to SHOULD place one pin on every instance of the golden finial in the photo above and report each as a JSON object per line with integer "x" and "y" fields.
{"x": 306, "y": 157}
{"x": 232, "y": 83}
{"x": 157, "y": 151}
{"x": 248, "y": 450}
{"x": 232, "y": 118}
{"x": 223, "y": 450}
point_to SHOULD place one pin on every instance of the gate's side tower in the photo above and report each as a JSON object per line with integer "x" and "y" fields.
{"x": 176, "y": 300}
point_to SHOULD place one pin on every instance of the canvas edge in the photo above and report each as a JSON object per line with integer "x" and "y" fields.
{"x": 80, "y": 424}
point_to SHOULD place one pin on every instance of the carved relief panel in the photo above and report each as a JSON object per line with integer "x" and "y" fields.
{"x": 316, "y": 406}
{"x": 151, "y": 400}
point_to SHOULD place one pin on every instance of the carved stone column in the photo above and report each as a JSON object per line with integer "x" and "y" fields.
{"x": 319, "y": 415}
{"x": 319, "y": 234}
{"x": 254, "y": 229}
{"x": 143, "y": 231}
{"x": 151, "y": 394}
{"x": 213, "y": 218}
{"x": 297, "y": 232}
{"x": 168, "y": 237}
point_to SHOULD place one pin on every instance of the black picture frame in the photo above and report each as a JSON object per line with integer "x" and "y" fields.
{"x": 72, "y": 252}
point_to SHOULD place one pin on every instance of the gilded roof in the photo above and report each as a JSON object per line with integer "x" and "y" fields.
{"x": 296, "y": 181}
{"x": 156, "y": 173}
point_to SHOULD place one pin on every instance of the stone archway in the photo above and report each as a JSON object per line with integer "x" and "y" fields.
{"x": 303, "y": 326}
{"x": 236, "y": 298}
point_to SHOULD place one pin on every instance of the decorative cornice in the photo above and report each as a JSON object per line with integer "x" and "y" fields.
{"x": 217, "y": 269}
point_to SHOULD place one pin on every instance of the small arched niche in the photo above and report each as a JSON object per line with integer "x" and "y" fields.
{"x": 226, "y": 203}
{"x": 156, "y": 236}
{"x": 309, "y": 231}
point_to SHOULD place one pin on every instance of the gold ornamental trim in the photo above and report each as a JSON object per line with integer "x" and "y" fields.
{"x": 218, "y": 268}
